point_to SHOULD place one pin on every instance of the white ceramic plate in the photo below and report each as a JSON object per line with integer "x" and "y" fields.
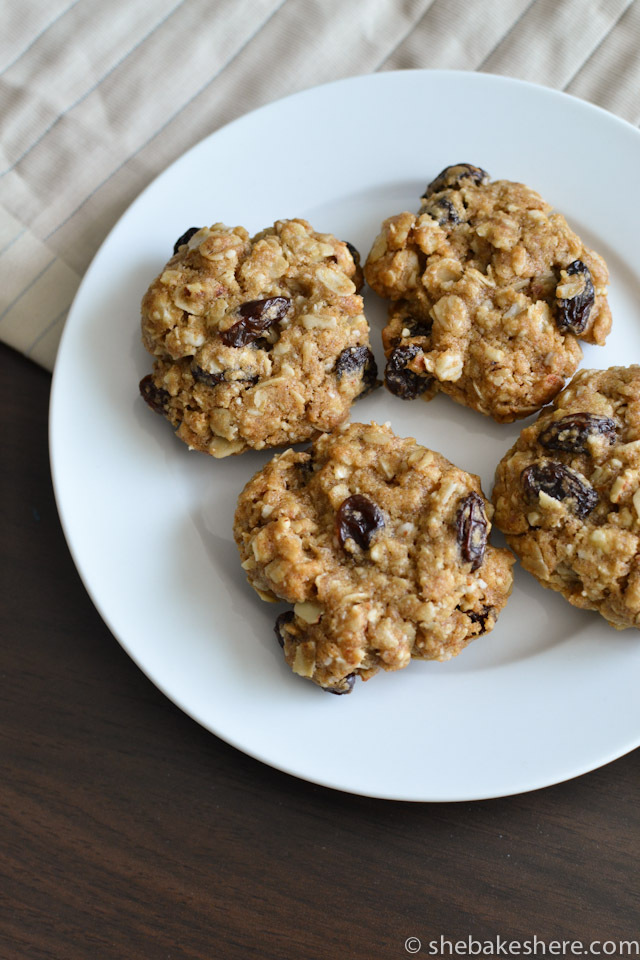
{"x": 552, "y": 691}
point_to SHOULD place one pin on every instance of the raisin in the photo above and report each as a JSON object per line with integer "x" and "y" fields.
{"x": 346, "y": 685}
{"x": 560, "y": 483}
{"x": 354, "y": 359}
{"x": 355, "y": 254}
{"x": 417, "y": 328}
{"x": 256, "y": 316}
{"x": 472, "y": 529}
{"x": 442, "y": 210}
{"x": 305, "y": 468}
{"x": 203, "y": 376}
{"x": 481, "y": 617}
{"x": 184, "y": 238}
{"x": 572, "y": 433}
{"x": 572, "y": 314}
{"x": 451, "y": 177}
{"x": 358, "y": 518}
{"x": 370, "y": 380}
{"x": 358, "y": 276}
{"x": 155, "y": 397}
{"x": 398, "y": 380}
{"x": 213, "y": 379}
{"x": 284, "y": 618}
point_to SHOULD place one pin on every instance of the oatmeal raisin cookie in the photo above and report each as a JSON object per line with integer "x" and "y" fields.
{"x": 257, "y": 342}
{"x": 567, "y": 495}
{"x": 491, "y": 293}
{"x": 382, "y": 547}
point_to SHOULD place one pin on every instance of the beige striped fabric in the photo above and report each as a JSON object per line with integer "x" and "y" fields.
{"x": 98, "y": 96}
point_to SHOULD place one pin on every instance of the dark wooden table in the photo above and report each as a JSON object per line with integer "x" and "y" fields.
{"x": 128, "y": 831}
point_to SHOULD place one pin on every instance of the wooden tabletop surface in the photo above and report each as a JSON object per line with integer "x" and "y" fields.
{"x": 128, "y": 831}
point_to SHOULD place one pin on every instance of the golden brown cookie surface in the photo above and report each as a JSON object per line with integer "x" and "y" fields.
{"x": 258, "y": 342}
{"x": 567, "y": 495}
{"x": 381, "y": 545}
{"x": 491, "y": 293}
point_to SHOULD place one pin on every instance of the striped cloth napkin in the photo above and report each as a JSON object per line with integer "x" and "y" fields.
{"x": 98, "y": 96}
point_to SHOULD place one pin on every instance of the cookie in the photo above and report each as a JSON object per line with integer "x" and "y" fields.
{"x": 567, "y": 495}
{"x": 491, "y": 293}
{"x": 381, "y": 545}
{"x": 258, "y": 342}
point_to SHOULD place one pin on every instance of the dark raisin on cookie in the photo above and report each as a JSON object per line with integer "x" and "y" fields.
{"x": 355, "y": 254}
{"x": 560, "y": 483}
{"x": 283, "y": 619}
{"x": 358, "y": 277}
{"x": 452, "y": 177}
{"x": 203, "y": 376}
{"x": 417, "y": 327}
{"x": 213, "y": 379}
{"x": 361, "y": 359}
{"x": 305, "y": 468}
{"x": 186, "y": 236}
{"x": 155, "y": 397}
{"x": 572, "y": 313}
{"x": 358, "y": 519}
{"x": 345, "y": 685}
{"x": 573, "y": 432}
{"x": 442, "y": 210}
{"x": 481, "y": 617}
{"x": 472, "y": 529}
{"x": 352, "y": 359}
{"x": 370, "y": 380}
{"x": 256, "y": 316}
{"x": 400, "y": 381}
